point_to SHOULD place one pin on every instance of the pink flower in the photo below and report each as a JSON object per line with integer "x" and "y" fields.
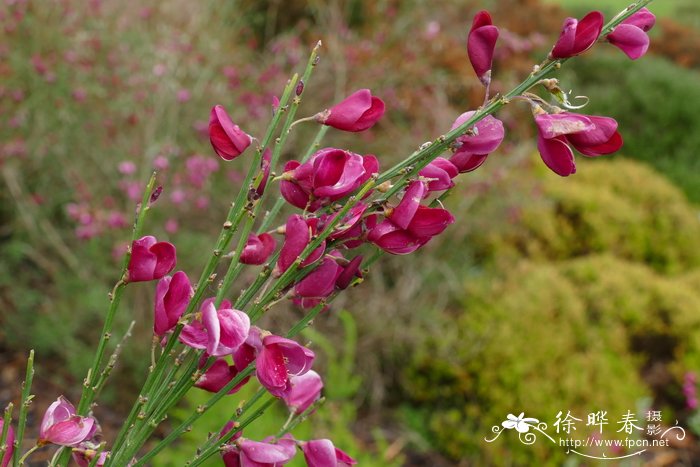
{"x": 481, "y": 45}
{"x": 322, "y": 453}
{"x": 249, "y": 453}
{"x": 173, "y": 294}
{"x": 298, "y": 233}
{"x": 440, "y": 172}
{"x": 409, "y": 225}
{"x": 278, "y": 360}
{"x": 578, "y": 36}
{"x": 9, "y": 442}
{"x": 258, "y": 249}
{"x": 630, "y": 36}
{"x": 303, "y": 390}
{"x": 227, "y": 139}
{"x": 220, "y": 332}
{"x": 62, "y": 426}
{"x": 329, "y": 175}
{"x": 358, "y": 112}
{"x": 219, "y": 375}
{"x": 150, "y": 259}
{"x": 472, "y": 149}
{"x": 351, "y": 228}
{"x": 127, "y": 168}
{"x": 320, "y": 282}
{"x": 591, "y": 136}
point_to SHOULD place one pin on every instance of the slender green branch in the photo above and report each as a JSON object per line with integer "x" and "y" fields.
{"x": 24, "y": 406}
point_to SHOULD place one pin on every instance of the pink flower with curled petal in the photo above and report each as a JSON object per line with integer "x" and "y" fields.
{"x": 329, "y": 175}
{"x": 9, "y": 442}
{"x": 424, "y": 224}
{"x": 481, "y": 45}
{"x": 279, "y": 359}
{"x": 357, "y": 112}
{"x": 298, "y": 233}
{"x": 473, "y": 148}
{"x": 248, "y": 453}
{"x": 578, "y": 36}
{"x": 322, "y": 453}
{"x": 62, "y": 426}
{"x": 150, "y": 259}
{"x": 258, "y": 249}
{"x": 303, "y": 390}
{"x": 630, "y": 36}
{"x": 218, "y": 376}
{"x": 591, "y": 136}
{"x": 227, "y": 139}
{"x": 173, "y": 294}
{"x": 219, "y": 332}
{"x": 440, "y": 173}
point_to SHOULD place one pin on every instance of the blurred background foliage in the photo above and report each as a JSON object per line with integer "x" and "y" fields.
{"x": 547, "y": 295}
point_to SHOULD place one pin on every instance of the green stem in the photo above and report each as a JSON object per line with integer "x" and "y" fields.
{"x": 300, "y": 418}
{"x": 24, "y": 406}
{"x": 29, "y": 453}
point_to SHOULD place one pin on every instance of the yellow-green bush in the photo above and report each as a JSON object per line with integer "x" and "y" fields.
{"x": 588, "y": 301}
{"x": 616, "y": 206}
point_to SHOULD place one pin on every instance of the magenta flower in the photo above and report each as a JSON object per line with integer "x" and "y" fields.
{"x": 320, "y": 282}
{"x": 173, "y": 294}
{"x": 329, "y": 175}
{"x": 249, "y": 453}
{"x": 322, "y": 453}
{"x": 630, "y": 36}
{"x": 350, "y": 228}
{"x": 219, "y": 375}
{"x": 591, "y": 136}
{"x": 258, "y": 249}
{"x": 472, "y": 149}
{"x": 220, "y": 332}
{"x": 481, "y": 45}
{"x": 277, "y": 360}
{"x": 409, "y": 225}
{"x": 439, "y": 173}
{"x": 227, "y": 139}
{"x": 9, "y": 442}
{"x": 358, "y": 112}
{"x": 303, "y": 390}
{"x": 578, "y": 36}
{"x": 350, "y": 272}
{"x": 298, "y": 233}
{"x": 62, "y": 426}
{"x": 150, "y": 259}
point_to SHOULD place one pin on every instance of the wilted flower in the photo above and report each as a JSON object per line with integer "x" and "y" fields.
{"x": 630, "y": 36}
{"x": 227, "y": 139}
{"x": 578, "y": 36}
{"x": 329, "y": 175}
{"x": 86, "y": 451}
{"x": 357, "y": 112}
{"x": 258, "y": 249}
{"x": 590, "y": 135}
{"x": 303, "y": 390}
{"x": 173, "y": 294}
{"x": 150, "y": 259}
{"x": 473, "y": 148}
{"x": 220, "y": 331}
{"x": 62, "y": 426}
{"x": 322, "y": 453}
{"x": 481, "y": 45}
